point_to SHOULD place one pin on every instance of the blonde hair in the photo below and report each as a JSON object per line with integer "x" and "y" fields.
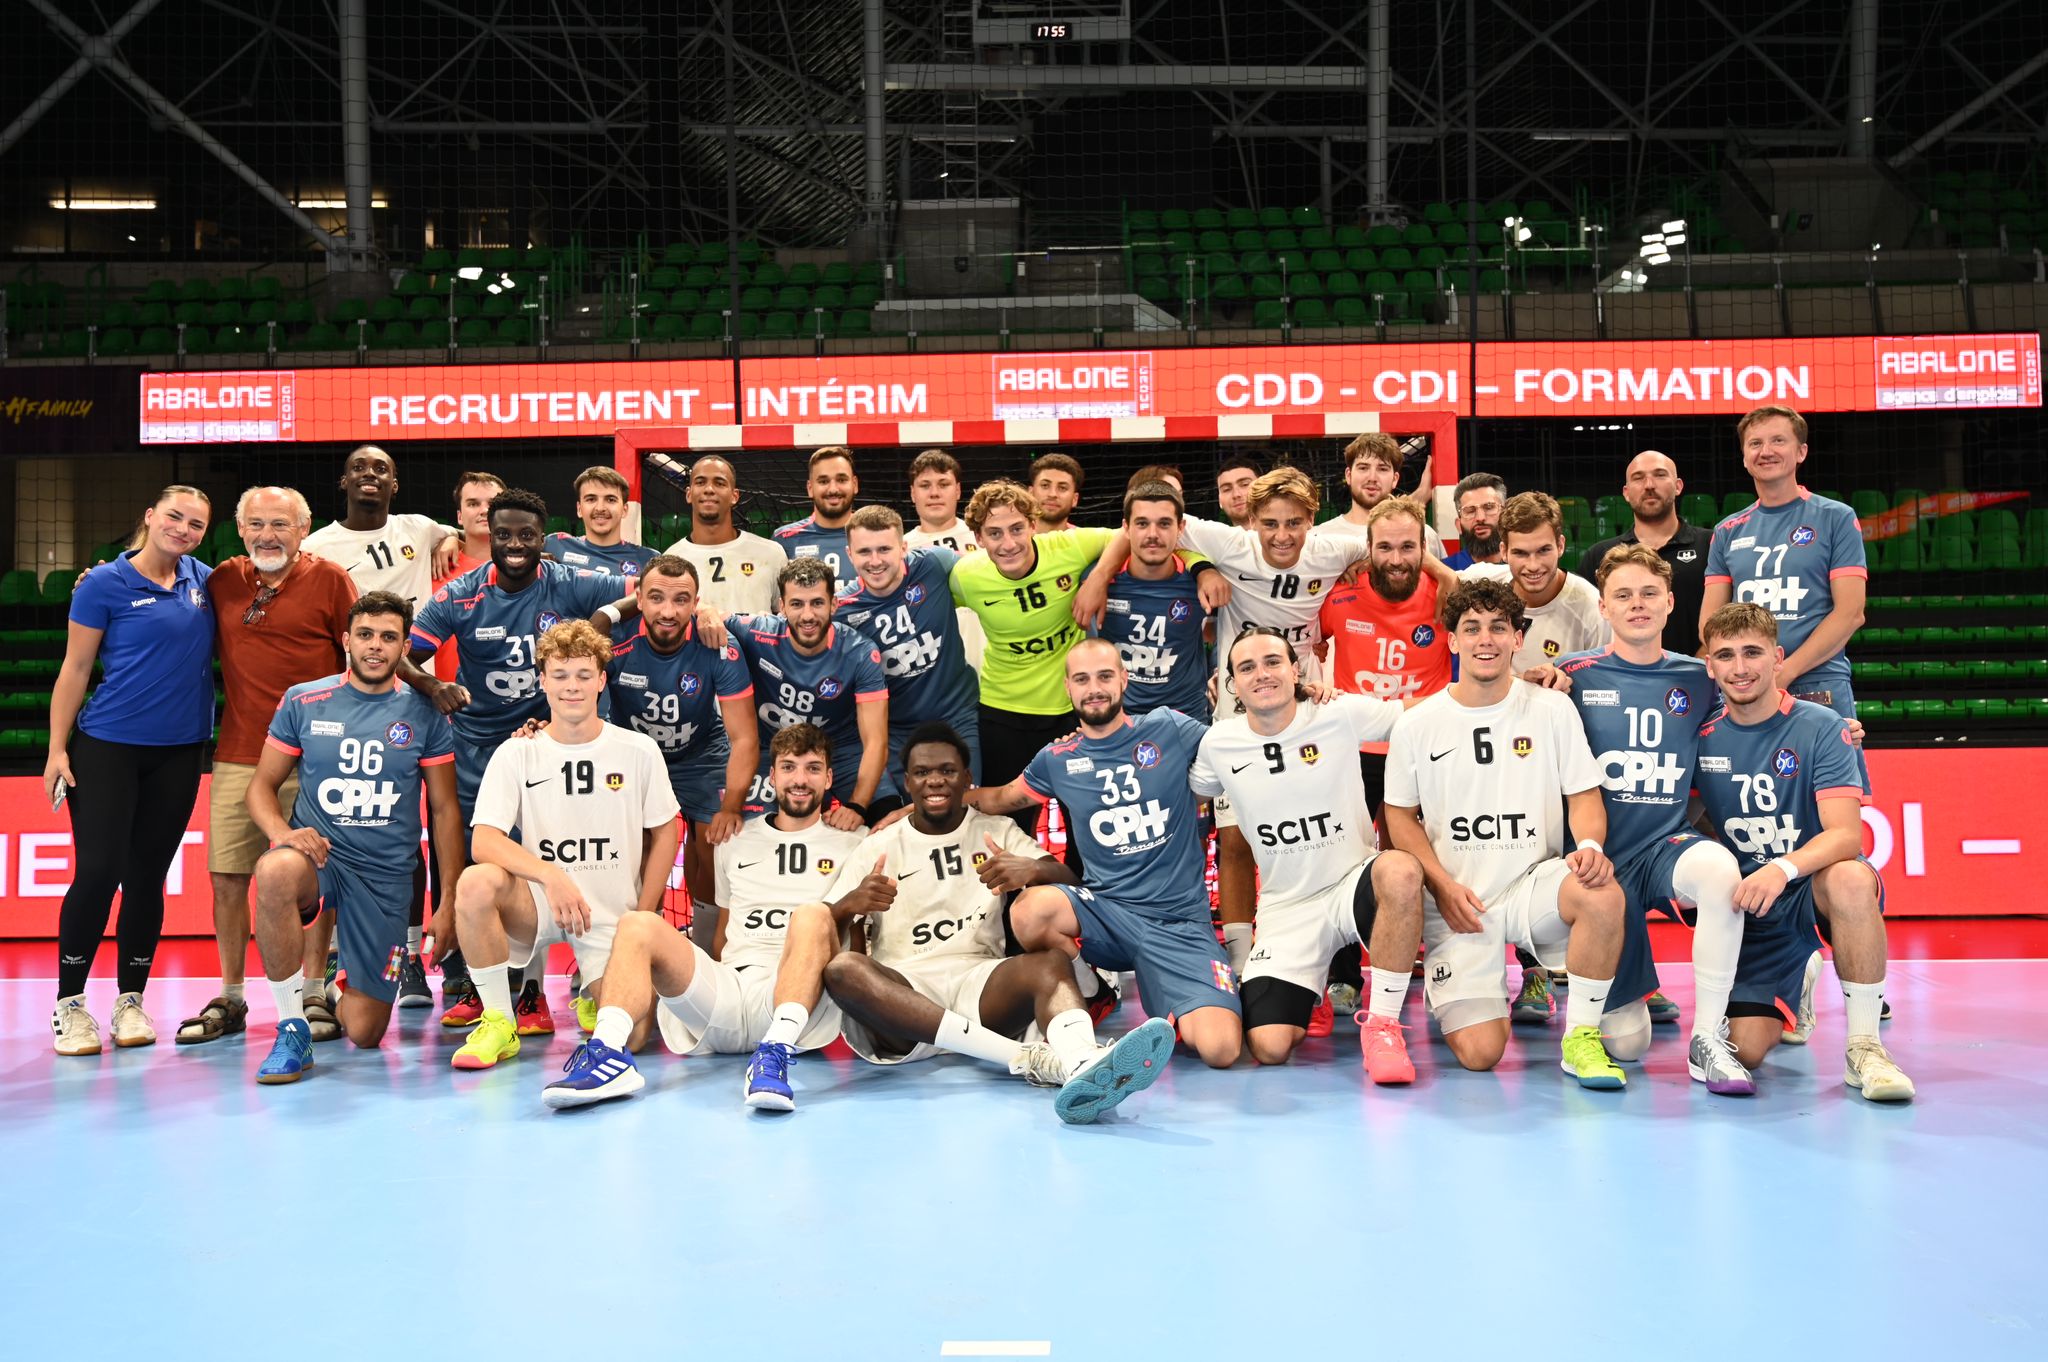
{"x": 1391, "y": 507}
{"x": 875, "y": 519}
{"x": 1527, "y": 511}
{"x": 176, "y": 489}
{"x": 993, "y": 496}
{"x": 573, "y": 639}
{"x": 1630, "y": 555}
{"x": 1284, "y": 481}
{"x": 1763, "y": 414}
{"x": 1739, "y": 617}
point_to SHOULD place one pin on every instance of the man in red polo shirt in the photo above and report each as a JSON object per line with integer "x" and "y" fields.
{"x": 279, "y": 618}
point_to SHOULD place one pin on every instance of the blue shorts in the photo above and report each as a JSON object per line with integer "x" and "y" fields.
{"x": 1645, "y": 877}
{"x": 370, "y": 920}
{"x": 698, "y": 778}
{"x": 470, "y": 761}
{"x": 1180, "y": 965}
{"x": 1776, "y": 946}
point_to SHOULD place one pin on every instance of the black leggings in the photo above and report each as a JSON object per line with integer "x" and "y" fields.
{"x": 1008, "y": 743}
{"x": 128, "y": 816}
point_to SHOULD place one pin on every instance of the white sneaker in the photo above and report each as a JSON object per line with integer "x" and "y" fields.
{"x": 131, "y": 1024}
{"x": 1117, "y": 1071}
{"x": 77, "y": 1032}
{"x": 1869, "y": 1068}
{"x": 1710, "y": 1060}
{"x": 1801, "y": 1032}
{"x": 1036, "y": 1063}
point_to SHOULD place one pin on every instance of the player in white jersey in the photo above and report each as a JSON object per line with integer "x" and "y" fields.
{"x": 401, "y": 553}
{"x": 1561, "y": 610}
{"x": 735, "y": 568}
{"x": 935, "y": 492}
{"x": 596, "y": 817}
{"x": 1323, "y": 882}
{"x": 749, "y": 985}
{"x": 1372, "y": 473}
{"x": 1478, "y": 777}
{"x": 930, "y": 891}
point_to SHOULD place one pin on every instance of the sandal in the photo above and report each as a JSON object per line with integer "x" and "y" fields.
{"x": 223, "y": 1016}
{"x": 320, "y": 1018}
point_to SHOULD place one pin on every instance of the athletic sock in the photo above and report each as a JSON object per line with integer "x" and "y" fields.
{"x": 238, "y": 992}
{"x": 614, "y": 1027}
{"x": 1086, "y": 979}
{"x": 494, "y": 986}
{"x": 1865, "y": 1003}
{"x": 413, "y": 937}
{"x": 1237, "y": 940}
{"x": 290, "y": 995}
{"x": 1389, "y": 991}
{"x": 964, "y": 1037}
{"x": 787, "y": 1025}
{"x": 1586, "y": 1001}
{"x": 1716, "y": 946}
{"x": 1072, "y": 1037}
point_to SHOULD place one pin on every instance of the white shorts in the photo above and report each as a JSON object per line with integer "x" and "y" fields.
{"x": 593, "y": 948}
{"x": 743, "y": 1003}
{"x": 954, "y": 982}
{"x": 1225, "y": 813}
{"x": 1472, "y": 966}
{"x": 1294, "y": 942}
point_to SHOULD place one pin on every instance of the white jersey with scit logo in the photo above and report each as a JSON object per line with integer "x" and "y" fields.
{"x": 1289, "y": 599}
{"x": 1297, "y": 793}
{"x": 738, "y": 576}
{"x": 397, "y": 557}
{"x": 1491, "y": 781}
{"x": 764, "y": 872}
{"x": 941, "y": 908}
{"x": 582, "y": 806}
{"x": 1569, "y": 622}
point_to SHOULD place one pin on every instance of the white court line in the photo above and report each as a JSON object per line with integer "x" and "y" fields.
{"x": 1001, "y": 1348}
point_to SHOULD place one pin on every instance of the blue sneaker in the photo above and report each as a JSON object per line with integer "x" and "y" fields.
{"x": 768, "y": 1078}
{"x": 1117, "y": 1071}
{"x": 291, "y": 1054}
{"x": 596, "y": 1073}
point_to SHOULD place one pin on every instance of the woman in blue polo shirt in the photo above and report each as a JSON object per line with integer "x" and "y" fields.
{"x": 131, "y": 770}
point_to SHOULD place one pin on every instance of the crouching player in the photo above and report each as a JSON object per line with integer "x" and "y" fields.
{"x": 756, "y": 990}
{"x": 1782, "y": 781}
{"x": 363, "y": 745}
{"x": 596, "y": 818}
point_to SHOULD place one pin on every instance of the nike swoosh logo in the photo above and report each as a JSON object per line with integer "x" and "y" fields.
{"x": 531, "y": 783}
{"x": 1439, "y": 756}
{"x": 905, "y": 874}
{"x": 1235, "y": 769}
{"x": 746, "y": 865}
{"x": 997, "y": 601}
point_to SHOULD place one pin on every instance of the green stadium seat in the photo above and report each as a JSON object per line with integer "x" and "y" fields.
{"x": 1431, "y": 258}
{"x": 1156, "y": 288}
{"x": 1381, "y": 237}
{"x": 1306, "y": 217}
{"x": 707, "y": 326}
{"x": 1312, "y": 312}
{"x": 1418, "y": 234}
{"x": 2036, "y": 553}
{"x": 1397, "y": 258}
{"x": 1266, "y": 286}
{"x": 804, "y": 273}
{"x": 1176, "y": 220}
{"x": 1207, "y": 219}
{"x": 779, "y": 326}
{"x": 1361, "y": 259}
{"x": 18, "y": 587}
{"x": 198, "y": 340}
{"x": 1419, "y": 284}
{"x": 756, "y": 299}
{"x": 1493, "y": 281}
{"x": 2000, "y": 551}
{"x": 1451, "y": 234}
{"x": 1326, "y": 260}
{"x": 514, "y": 331}
{"x": 829, "y": 296}
{"x": 1269, "y": 314}
{"x": 1307, "y": 284}
{"x": 793, "y": 298}
{"x": 195, "y": 291}
{"x": 1342, "y": 284}
{"x": 1349, "y": 311}
{"x": 1736, "y": 501}
{"x": 863, "y": 295}
{"x": 1256, "y": 262}
{"x": 1698, "y": 508}
{"x": 855, "y": 323}
{"x": 1213, "y": 241}
{"x": 1349, "y": 237}
{"x": 770, "y": 275}
{"x": 1270, "y": 218}
{"x": 838, "y": 272}
{"x": 670, "y": 326}
{"x": 1317, "y": 239}
{"x": 434, "y": 333}
{"x": 160, "y": 291}
{"x": 1229, "y": 288}
{"x": 1283, "y": 239}
{"x": 1140, "y": 220}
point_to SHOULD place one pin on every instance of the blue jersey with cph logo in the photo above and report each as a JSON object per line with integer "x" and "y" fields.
{"x": 826, "y": 690}
{"x": 361, "y": 758}
{"x": 495, "y": 632}
{"x": 1129, "y": 799}
{"x": 673, "y": 697}
{"x": 1763, "y": 783}
{"x": 919, "y": 635}
{"x": 627, "y": 560}
{"x": 1157, "y": 626}
{"x": 1643, "y": 724}
{"x": 1786, "y": 559}
{"x": 807, "y": 539}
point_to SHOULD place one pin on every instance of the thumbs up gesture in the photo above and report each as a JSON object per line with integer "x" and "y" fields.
{"x": 1005, "y": 872}
{"x": 875, "y": 892}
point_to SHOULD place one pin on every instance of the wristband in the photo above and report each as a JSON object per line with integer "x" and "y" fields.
{"x": 610, "y": 612}
{"x": 1789, "y": 870}
{"x": 858, "y": 808}
{"x": 1196, "y": 569}
{"x": 1588, "y": 844}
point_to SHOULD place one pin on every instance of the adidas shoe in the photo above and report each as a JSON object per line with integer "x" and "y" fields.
{"x": 76, "y": 1031}
{"x": 595, "y": 1073}
{"x": 131, "y": 1025}
{"x": 291, "y": 1054}
{"x": 768, "y": 1078}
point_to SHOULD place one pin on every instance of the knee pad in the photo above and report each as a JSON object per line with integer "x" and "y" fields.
{"x": 1705, "y": 875}
{"x": 1626, "y": 1032}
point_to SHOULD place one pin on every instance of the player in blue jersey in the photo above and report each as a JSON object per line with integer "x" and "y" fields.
{"x": 1781, "y": 781}
{"x": 495, "y": 615}
{"x": 1144, "y": 906}
{"x": 822, "y": 534}
{"x": 1643, "y": 709}
{"x": 1797, "y": 555}
{"x": 905, "y": 604}
{"x": 1152, "y": 613}
{"x": 694, "y": 701}
{"x": 363, "y": 745}
{"x": 809, "y": 669}
{"x": 601, "y": 497}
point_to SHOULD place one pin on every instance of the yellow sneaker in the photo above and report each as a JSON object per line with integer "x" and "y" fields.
{"x": 1585, "y": 1059}
{"x": 1870, "y": 1069}
{"x": 586, "y": 1014}
{"x": 494, "y": 1039}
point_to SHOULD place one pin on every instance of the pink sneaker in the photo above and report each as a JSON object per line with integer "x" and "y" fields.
{"x": 1386, "y": 1053}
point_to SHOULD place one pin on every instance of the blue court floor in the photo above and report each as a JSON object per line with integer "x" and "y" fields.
{"x": 158, "y": 1204}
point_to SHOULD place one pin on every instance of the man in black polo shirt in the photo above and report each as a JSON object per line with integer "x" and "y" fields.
{"x": 1652, "y": 489}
